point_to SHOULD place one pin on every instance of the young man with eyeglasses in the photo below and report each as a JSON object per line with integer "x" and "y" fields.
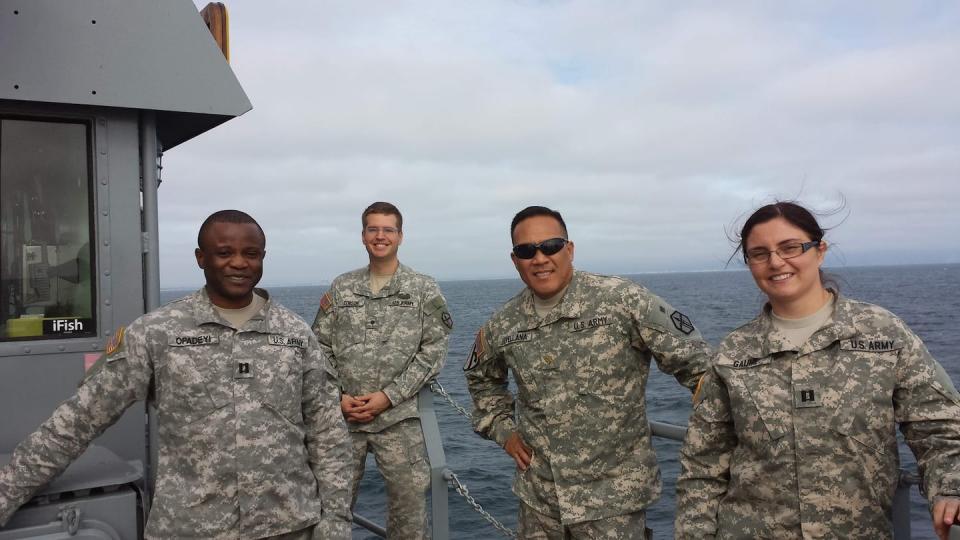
{"x": 385, "y": 329}
{"x": 579, "y": 346}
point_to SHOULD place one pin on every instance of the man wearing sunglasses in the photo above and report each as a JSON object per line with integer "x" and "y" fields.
{"x": 579, "y": 346}
{"x": 385, "y": 329}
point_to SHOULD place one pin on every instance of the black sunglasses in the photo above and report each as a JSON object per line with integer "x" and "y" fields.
{"x": 547, "y": 247}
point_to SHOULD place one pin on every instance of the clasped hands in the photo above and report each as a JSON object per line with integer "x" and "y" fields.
{"x": 363, "y": 409}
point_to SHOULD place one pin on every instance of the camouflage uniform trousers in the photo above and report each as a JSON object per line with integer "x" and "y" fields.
{"x": 402, "y": 459}
{"x": 536, "y": 526}
{"x": 309, "y": 533}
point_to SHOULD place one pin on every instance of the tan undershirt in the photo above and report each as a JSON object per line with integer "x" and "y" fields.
{"x": 796, "y": 332}
{"x": 237, "y": 317}
{"x": 379, "y": 281}
{"x": 546, "y": 305}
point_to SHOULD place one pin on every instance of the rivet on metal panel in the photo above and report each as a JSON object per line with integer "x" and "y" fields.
{"x": 106, "y": 242}
{"x": 26, "y": 350}
{"x": 61, "y": 348}
{"x": 104, "y": 212}
{"x": 103, "y": 181}
{"x": 16, "y": 87}
{"x": 106, "y": 302}
{"x": 107, "y": 273}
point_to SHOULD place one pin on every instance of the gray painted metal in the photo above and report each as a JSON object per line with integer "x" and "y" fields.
{"x": 438, "y": 464}
{"x": 135, "y": 54}
{"x": 901, "y": 505}
{"x": 110, "y": 514}
{"x": 370, "y": 525}
{"x": 151, "y": 221}
{"x": 39, "y": 374}
{"x": 668, "y": 431}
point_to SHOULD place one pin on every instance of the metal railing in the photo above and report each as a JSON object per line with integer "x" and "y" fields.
{"x": 443, "y": 478}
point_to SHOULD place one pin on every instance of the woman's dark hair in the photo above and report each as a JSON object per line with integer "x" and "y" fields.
{"x": 796, "y": 215}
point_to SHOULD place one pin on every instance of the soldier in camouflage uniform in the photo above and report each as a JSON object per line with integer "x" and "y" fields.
{"x": 385, "y": 329}
{"x": 793, "y": 433}
{"x": 251, "y": 441}
{"x": 579, "y": 346}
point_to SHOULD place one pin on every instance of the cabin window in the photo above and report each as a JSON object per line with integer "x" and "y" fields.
{"x": 46, "y": 262}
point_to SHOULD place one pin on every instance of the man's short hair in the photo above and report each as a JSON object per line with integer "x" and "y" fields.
{"x": 386, "y": 208}
{"x": 532, "y": 211}
{"x": 227, "y": 216}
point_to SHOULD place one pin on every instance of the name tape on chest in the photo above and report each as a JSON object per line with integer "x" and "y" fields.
{"x": 748, "y": 362}
{"x": 592, "y": 322}
{"x": 286, "y": 341}
{"x": 402, "y": 303}
{"x": 518, "y": 337}
{"x": 870, "y": 345}
{"x": 194, "y": 341}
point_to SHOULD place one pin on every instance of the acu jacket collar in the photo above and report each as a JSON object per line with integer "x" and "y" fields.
{"x": 204, "y": 312}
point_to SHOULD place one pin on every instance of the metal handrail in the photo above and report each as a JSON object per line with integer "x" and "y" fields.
{"x": 438, "y": 469}
{"x": 439, "y": 477}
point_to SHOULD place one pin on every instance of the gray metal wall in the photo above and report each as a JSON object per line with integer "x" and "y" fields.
{"x": 35, "y": 376}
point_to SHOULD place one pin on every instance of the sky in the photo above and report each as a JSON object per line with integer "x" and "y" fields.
{"x": 655, "y": 128}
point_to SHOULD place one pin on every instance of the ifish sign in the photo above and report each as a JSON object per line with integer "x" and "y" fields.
{"x": 67, "y": 326}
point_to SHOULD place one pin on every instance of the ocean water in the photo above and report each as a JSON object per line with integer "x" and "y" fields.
{"x": 927, "y": 297}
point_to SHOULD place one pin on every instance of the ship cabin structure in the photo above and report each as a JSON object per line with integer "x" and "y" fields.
{"x": 92, "y": 93}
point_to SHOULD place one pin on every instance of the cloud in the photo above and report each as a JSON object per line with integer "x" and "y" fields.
{"x": 653, "y": 127}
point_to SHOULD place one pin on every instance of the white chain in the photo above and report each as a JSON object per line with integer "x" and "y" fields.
{"x": 462, "y": 490}
{"x": 438, "y": 389}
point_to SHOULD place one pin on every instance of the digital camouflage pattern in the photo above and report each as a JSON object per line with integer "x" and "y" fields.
{"x": 393, "y": 341}
{"x": 532, "y": 525}
{"x": 801, "y": 443}
{"x": 251, "y": 439}
{"x": 581, "y": 375}
{"x": 402, "y": 459}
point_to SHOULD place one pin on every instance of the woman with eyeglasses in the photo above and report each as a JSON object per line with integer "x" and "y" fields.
{"x": 793, "y": 429}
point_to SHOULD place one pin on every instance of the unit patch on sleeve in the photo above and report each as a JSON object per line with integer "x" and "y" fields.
{"x": 326, "y": 302}
{"x": 682, "y": 322}
{"x": 447, "y": 319}
{"x": 476, "y": 356}
{"x": 116, "y": 341}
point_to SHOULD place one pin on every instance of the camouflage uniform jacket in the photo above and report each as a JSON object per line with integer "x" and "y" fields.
{"x": 801, "y": 443}
{"x": 581, "y": 375}
{"x": 392, "y": 341}
{"x": 251, "y": 439}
